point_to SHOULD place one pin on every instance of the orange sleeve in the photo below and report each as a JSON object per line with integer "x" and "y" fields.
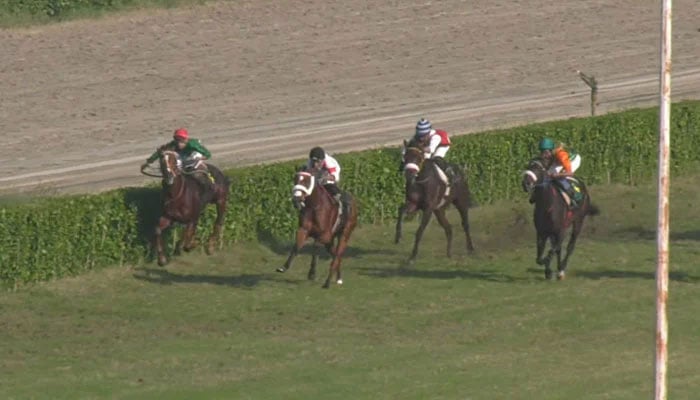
{"x": 563, "y": 158}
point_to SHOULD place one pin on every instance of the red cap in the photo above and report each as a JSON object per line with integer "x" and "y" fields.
{"x": 181, "y": 134}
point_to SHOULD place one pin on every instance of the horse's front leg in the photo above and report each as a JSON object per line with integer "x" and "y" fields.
{"x": 302, "y": 235}
{"x": 399, "y": 223}
{"x": 163, "y": 224}
{"x": 425, "y": 219}
{"x": 314, "y": 260}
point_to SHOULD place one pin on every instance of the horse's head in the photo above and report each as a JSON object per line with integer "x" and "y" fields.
{"x": 536, "y": 173}
{"x": 412, "y": 159}
{"x": 304, "y": 185}
{"x": 170, "y": 166}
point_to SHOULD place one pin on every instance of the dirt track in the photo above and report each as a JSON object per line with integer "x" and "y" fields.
{"x": 83, "y": 103}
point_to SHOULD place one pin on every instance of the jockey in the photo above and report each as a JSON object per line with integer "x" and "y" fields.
{"x": 435, "y": 144}
{"x": 319, "y": 159}
{"x": 563, "y": 165}
{"x": 192, "y": 153}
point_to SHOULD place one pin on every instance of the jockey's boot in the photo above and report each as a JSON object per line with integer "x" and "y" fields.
{"x": 570, "y": 191}
{"x": 445, "y": 167}
{"x": 205, "y": 178}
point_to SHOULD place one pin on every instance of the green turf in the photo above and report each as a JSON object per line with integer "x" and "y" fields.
{"x": 14, "y": 13}
{"x": 481, "y": 327}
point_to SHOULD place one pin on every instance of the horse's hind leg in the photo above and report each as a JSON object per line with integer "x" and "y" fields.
{"x": 541, "y": 242}
{"x": 163, "y": 224}
{"x": 188, "y": 240}
{"x": 442, "y": 219}
{"x": 575, "y": 230}
{"x": 335, "y": 264}
{"x": 463, "y": 208}
{"x": 302, "y": 234}
{"x": 419, "y": 233}
{"x": 218, "y": 224}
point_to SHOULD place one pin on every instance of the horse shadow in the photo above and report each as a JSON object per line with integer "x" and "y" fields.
{"x": 650, "y": 234}
{"x": 678, "y": 276}
{"x": 403, "y": 271}
{"x": 165, "y": 277}
{"x": 146, "y": 202}
{"x": 282, "y": 247}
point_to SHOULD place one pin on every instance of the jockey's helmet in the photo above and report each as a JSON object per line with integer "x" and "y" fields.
{"x": 546, "y": 144}
{"x": 423, "y": 128}
{"x": 317, "y": 154}
{"x": 181, "y": 133}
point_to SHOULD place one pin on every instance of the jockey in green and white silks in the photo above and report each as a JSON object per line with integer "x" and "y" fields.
{"x": 192, "y": 153}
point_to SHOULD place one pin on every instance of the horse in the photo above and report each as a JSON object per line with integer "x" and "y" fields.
{"x": 553, "y": 216}
{"x": 183, "y": 201}
{"x": 320, "y": 219}
{"x": 427, "y": 190}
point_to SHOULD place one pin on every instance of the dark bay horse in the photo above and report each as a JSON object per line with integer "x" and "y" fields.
{"x": 427, "y": 191}
{"x": 184, "y": 199}
{"x": 552, "y": 215}
{"x": 320, "y": 219}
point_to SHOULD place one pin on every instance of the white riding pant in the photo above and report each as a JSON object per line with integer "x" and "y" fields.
{"x": 441, "y": 151}
{"x": 575, "y": 164}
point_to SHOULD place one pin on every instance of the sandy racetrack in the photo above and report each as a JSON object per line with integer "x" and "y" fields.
{"x": 83, "y": 103}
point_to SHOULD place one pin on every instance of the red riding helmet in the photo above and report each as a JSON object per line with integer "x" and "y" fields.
{"x": 181, "y": 133}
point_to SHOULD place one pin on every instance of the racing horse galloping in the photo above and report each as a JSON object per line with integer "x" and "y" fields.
{"x": 553, "y": 216}
{"x": 323, "y": 220}
{"x": 428, "y": 190}
{"x": 183, "y": 201}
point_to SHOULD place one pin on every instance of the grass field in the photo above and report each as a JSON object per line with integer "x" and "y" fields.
{"x": 482, "y": 327}
{"x": 19, "y": 15}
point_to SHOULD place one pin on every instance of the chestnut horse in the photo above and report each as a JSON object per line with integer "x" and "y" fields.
{"x": 552, "y": 215}
{"x": 320, "y": 218}
{"x": 184, "y": 199}
{"x": 427, "y": 191}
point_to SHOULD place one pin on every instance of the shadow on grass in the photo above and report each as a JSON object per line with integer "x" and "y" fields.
{"x": 678, "y": 276}
{"x": 484, "y": 275}
{"x": 165, "y": 277}
{"x": 648, "y": 234}
{"x": 282, "y": 247}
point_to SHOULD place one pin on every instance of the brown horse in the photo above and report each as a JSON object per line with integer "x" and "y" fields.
{"x": 320, "y": 218}
{"x": 553, "y": 216}
{"x": 184, "y": 200}
{"x": 427, "y": 191}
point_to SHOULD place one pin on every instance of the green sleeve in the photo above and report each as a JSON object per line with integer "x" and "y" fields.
{"x": 195, "y": 145}
{"x": 156, "y": 153}
{"x": 153, "y": 156}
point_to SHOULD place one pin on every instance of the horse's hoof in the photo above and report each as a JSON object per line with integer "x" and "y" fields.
{"x": 311, "y": 277}
{"x": 339, "y": 282}
{"x": 209, "y": 250}
{"x": 547, "y": 275}
{"x": 326, "y": 285}
{"x": 162, "y": 261}
{"x": 281, "y": 269}
{"x": 561, "y": 275}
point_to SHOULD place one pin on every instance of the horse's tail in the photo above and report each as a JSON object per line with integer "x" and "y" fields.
{"x": 593, "y": 210}
{"x": 462, "y": 172}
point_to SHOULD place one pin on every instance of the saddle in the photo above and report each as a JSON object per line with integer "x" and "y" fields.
{"x": 576, "y": 192}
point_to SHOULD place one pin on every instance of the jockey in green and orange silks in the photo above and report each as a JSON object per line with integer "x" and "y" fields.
{"x": 563, "y": 164}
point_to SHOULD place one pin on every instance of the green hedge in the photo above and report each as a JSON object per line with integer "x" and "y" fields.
{"x": 54, "y": 237}
{"x": 46, "y": 10}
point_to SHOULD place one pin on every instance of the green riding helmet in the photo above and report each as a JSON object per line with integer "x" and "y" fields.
{"x": 546, "y": 144}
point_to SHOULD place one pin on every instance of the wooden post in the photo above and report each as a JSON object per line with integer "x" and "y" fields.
{"x": 663, "y": 205}
{"x": 593, "y": 84}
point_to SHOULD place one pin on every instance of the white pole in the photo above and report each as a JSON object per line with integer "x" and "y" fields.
{"x": 663, "y": 204}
